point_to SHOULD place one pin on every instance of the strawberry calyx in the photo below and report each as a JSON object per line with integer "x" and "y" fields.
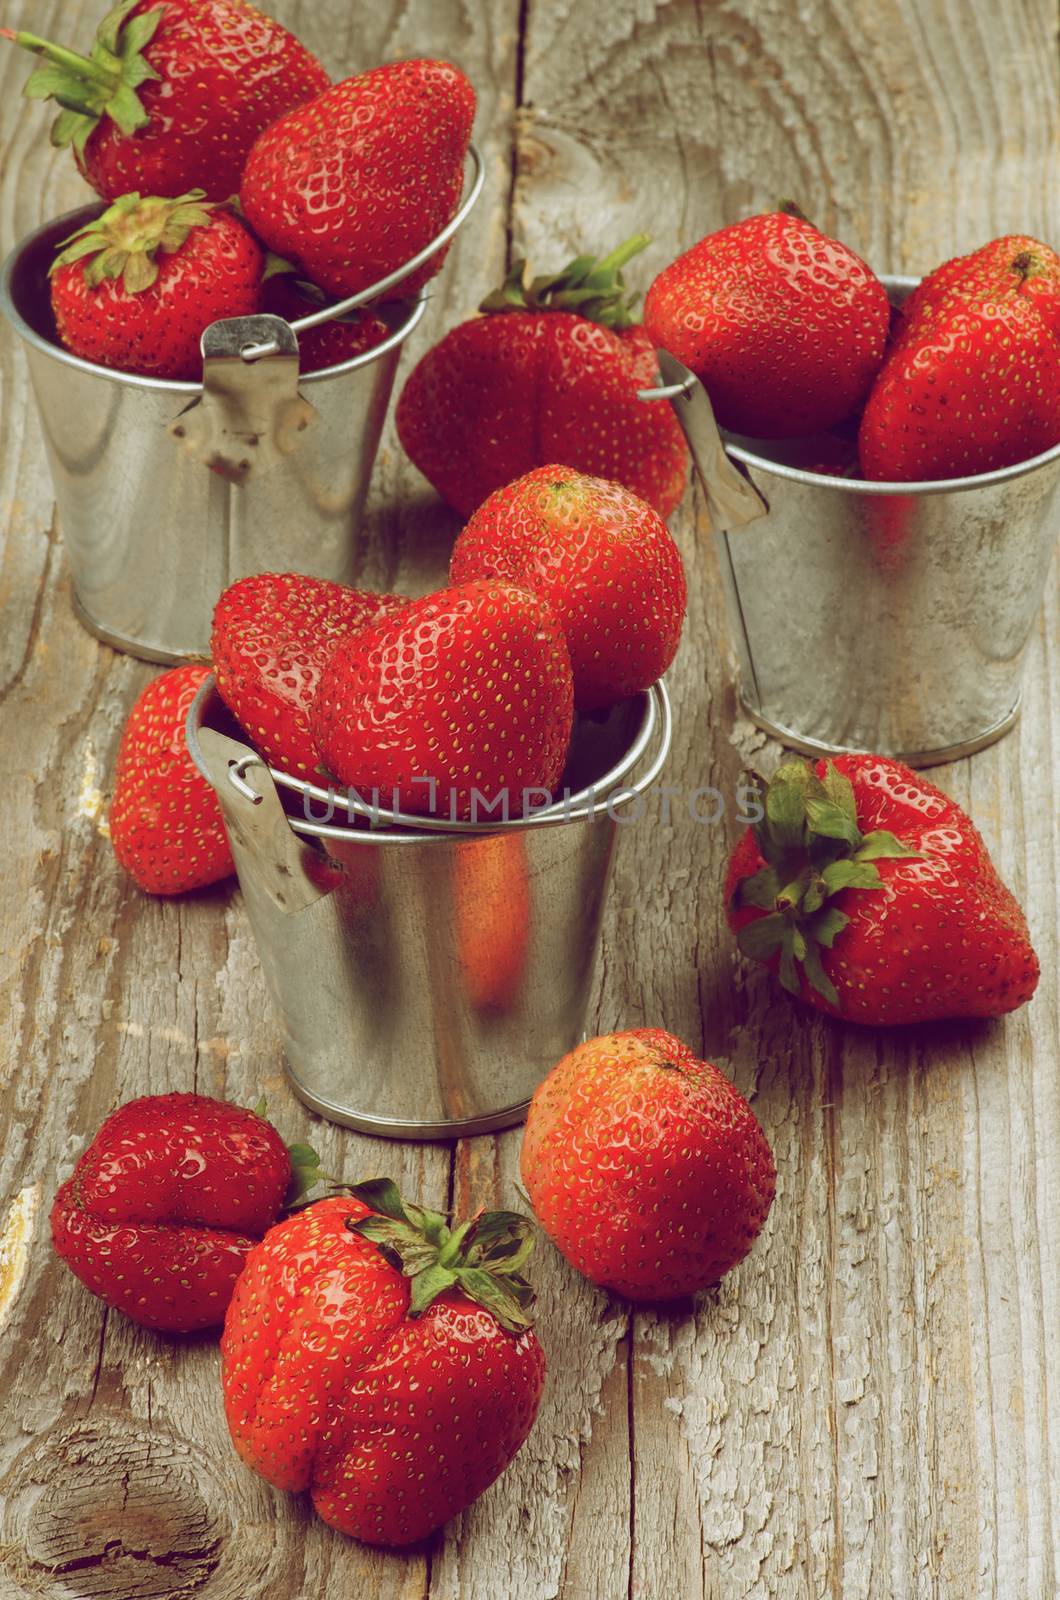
{"x": 278, "y": 267}
{"x": 481, "y": 1257}
{"x": 814, "y": 849}
{"x": 103, "y": 83}
{"x": 592, "y": 287}
{"x": 126, "y": 240}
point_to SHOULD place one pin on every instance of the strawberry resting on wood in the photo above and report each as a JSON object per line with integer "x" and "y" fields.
{"x": 645, "y": 1166}
{"x": 871, "y": 894}
{"x": 165, "y": 820}
{"x": 173, "y": 94}
{"x": 383, "y": 1361}
{"x": 167, "y": 1200}
{"x": 549, "y": 373}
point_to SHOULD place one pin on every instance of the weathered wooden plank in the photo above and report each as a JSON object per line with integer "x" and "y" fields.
{"x": 115, "y": 1456}
{"x": 868, "y": 1406}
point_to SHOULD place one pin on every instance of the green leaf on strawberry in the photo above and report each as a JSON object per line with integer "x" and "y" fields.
{"x": 592, "y": 287}
{"x": 815, "y": 850}
{"x": 483, "y": 1256}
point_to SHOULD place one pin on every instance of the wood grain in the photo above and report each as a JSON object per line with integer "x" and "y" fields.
{"x": 869, "y": 1406}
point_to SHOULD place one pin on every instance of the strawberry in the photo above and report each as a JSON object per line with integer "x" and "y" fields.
{"x": 549, "y": 373}
{"x": 329, "y": 343}
{"x": 459, "y": 703}
{"x": 784, "y": 326}
{"x": 871, "y": 894}
{"x": 353, "y": 184}
{"x": 165, "y": 820}
{"x": 382, "y": 1362}
{"x": 273, "y": 635}
{"x": 136, "y": 288}
{"x": 167, "y": 1200}
{"x": 605, "y": 562}
{"x": 972, "y": 381}
{"x": 645, "y": 1166}
{"x": 173, "y": 94}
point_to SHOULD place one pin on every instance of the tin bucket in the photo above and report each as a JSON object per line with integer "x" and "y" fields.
{"x": 153, "y": 535}
{"x": 426, "y": 978}
{"x": 887, "y": 617}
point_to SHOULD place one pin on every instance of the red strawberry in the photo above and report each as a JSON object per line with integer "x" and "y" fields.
{"x": 972, "y": 382}
{"x": 871, "y": 893}
{"x": 645, "y": 1166}
{"x": 165, "y": 820}
{"x": 553, "y": 378}
{"x": 356, "y": 182}
{"x": 135, "y": 289}
{"x": 174, "y": 93}
{"x": 273, "y": 635}
{"x": 466, "y": 692}
{"x": 604, "y": 561}
{"x": 165, "y": 1203}
{"x": 785, "y": 326}
{"x": 381, "y": 1362}
{"x": 330, "y": 343}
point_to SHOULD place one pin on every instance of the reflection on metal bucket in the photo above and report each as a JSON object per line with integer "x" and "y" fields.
{"x": 878, "y": 616}
{"x": 427, "y": 979}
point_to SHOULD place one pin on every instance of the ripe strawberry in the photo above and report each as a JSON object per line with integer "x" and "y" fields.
{"x": 135, "y": 289}
{"x": 645, "y": 1166}
{"x": 871, "y": 893}
{"x": 605, "y": 562}
{"x": 785, "y": 326}
{"x": 383, "y": 1362}
{"x": 551, "y": 373}
{"x": 465, "y": 693}
{"x": 167, "y": 1200}
{"x": 165, "y": 820}
{"x": 173, "y": 94}
{"x": 330, "y": 343}
{"x": 273, "y": 635}
{"x": 972, "y": 381}
{"x": 356, "y": 182}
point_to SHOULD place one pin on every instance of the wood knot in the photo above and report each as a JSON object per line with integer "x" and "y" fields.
{"x": 102, "y": 1508}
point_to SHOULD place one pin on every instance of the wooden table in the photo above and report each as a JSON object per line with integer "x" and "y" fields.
{"x": 870, "y": 1406}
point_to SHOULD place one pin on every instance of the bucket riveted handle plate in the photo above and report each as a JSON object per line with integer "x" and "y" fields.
{"x": 251, "y": 414}
{"x": 292, "y": 873}
{"x": 732, "y": 499}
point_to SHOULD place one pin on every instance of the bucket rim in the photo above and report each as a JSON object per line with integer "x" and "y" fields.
{"x": 68, "y": 222}
{"x": 586, "y": 805}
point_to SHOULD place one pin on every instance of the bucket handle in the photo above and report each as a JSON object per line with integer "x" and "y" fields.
{"x": 271, "y": 347}
{"x": 732, "y": 499}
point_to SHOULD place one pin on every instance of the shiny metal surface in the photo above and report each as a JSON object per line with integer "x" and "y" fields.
{"x": 152, "y": 535}
{"x": 424, "y": 982}
{"x": 882, "y": 616}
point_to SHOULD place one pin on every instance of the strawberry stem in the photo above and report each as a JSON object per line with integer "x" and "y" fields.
{"x": 79, "y": 66}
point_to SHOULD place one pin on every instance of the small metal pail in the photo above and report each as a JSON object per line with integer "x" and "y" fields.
{"x": 156, "y": 522}
{"x": 426, "y": 979}
{"x": 887, "y": 617}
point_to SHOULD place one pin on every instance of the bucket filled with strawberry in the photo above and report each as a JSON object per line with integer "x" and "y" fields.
{"x": 422, "y": 798}
{"x": 886, "y": 481}
{"x": 213, "y": 344}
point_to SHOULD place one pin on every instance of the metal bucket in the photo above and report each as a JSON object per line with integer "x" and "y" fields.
{"x": 887, "y": 617}
{"x": 153, "y": 535}
{"x": 427, "y": 978}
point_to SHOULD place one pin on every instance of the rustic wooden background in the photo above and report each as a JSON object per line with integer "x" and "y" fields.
{"x": 870, "y": 1406}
